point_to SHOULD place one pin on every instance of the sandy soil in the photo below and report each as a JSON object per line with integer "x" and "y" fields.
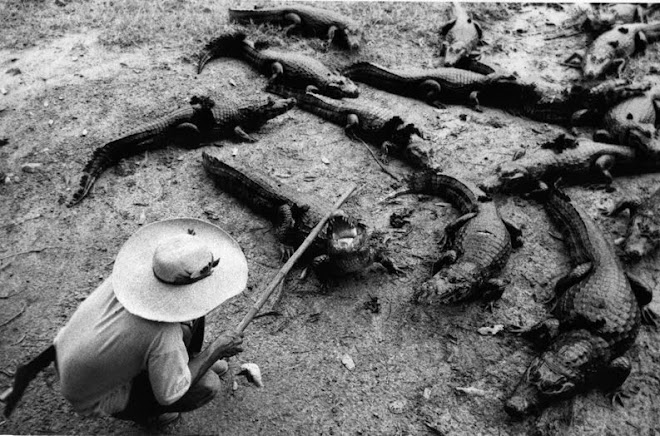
{"x": 409, "y": 360}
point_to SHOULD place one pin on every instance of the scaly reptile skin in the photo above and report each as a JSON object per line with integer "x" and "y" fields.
{"x": 615, "y": 46}
{"x": 643, "y": 234}
{"x": 461, "y": 36}
{"x": 597, "y": 312}
{"x": 577, "y": 105}
{"x": 290, "y": 69}
{"x": 201, "y": 122}
{"x": 374, "y": 124}
{"x": 633, "y": 123}
{"x": 308, "y": 20}
{"x": 586, "y": 160}
{"x": 434, "y": 86}
{"x": 476, "y": 246}
{"x": 344, "y": 247}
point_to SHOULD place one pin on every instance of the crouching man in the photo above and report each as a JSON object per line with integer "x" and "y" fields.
{"x": 132, "y": 348}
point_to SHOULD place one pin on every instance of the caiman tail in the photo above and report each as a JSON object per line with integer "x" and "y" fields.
{"x": 376, "y": 76}
{"x": 322, "y": 106}
{"x": 257, "y": 16}
{"x": 233, "y": 180}
{"x": 131, "y": 144}
{"x": 233, "y": 45}
{"x": 431, "y": 182}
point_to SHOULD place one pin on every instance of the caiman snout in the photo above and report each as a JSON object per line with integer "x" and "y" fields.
{"x": 518, "y": 407}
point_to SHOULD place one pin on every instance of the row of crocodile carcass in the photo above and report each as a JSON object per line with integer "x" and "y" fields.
{"x": 598, "y": 307}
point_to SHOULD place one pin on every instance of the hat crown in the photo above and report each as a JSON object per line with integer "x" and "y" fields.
{"x": 182, "y": 259}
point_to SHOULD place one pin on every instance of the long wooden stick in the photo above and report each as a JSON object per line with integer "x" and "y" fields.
{"x": 292, "y": 260}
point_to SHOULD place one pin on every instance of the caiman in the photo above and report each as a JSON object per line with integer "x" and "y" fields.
{"x": 306, "y": 20}
{"x": 371, "y": 123}
{"x": 461, "y": 36}
{"x": 581, "y": 104}
{"x": 608, "y": 15}
{"x": 643, "y": 235}
{"x": 343, "y": 247}
{"x": 475, "y": 247}
{"x": 580, "y": 159}
{"x": 613, "y": 48}
{"x": 289, "y": 69}
{"x": 434, "y": 86}
{"x": 190, "y": 126}
{"x": 596, "y": 316}
{"x": 633, "y": 123}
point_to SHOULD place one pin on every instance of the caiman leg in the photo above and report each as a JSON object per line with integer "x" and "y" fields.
{"x": 431, "y": 91}
{"x": 474, "y": 101}
{"x": 452, "y": 228}
{"x": 187, "y": 135}
{"x": 565, "y": 281}
{"x": 446, "y": 258}
{"x": 331, "y": 34}
{"x": 276, "y": 70}
{"x": 612, "y": 378}
{"x": 631, "y": 204}
{"x": 644, "y": 295}
{"x": 240, "y": 133}
{"x": 283, "y": 224}
{"x": 603, "y": 165}
{"x": 295, "y": 21}
{"x": 387, "y": 263}
{"x": 352, "y": 124}
{"x": 514, "y": 232}
{"x": 492, "y": 291}
{"x": 602, "y": 135}
{"x": 540, "y": 334}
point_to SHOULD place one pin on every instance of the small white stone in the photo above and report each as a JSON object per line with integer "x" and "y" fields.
{"x": 325, "y": 160}
{"x": 50, "y": 122}
{"x": 31, "y": 167}
{"x": 347, "y": 361}
{"x": 84, "y": 132}
{"x": 45, "y": 103}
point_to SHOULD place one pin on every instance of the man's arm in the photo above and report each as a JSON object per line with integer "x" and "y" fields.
{"x": 226, "y": 345}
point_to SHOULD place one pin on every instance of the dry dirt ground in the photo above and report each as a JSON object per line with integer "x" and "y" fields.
{"x": 90, "y": 70}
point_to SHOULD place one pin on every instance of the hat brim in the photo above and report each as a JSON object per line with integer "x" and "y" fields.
{"x": 144, "y": 295}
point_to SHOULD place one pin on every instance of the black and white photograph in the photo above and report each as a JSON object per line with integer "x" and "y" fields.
{"x": 254, "y": 217}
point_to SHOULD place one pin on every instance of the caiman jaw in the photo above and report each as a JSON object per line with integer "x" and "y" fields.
{"x": 343, "y": 233}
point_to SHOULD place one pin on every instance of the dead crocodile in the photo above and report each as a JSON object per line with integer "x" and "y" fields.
{"x": 307, "y": 20}
{"x": 290, "y": 69}
{"x": 633, "y": 123}
{"x": 607, "y": 15}
{"x": 371, "y": 123}
{"x": 581, "y": 159}
{"x": 343, "y": 247}
{"x": 434, "y": 86}
{"x": 643, "y": 235}
{"x": 581, "y": 104}
{"x": 461, "y": 36}
{"x": 475, "y": 247}
{"x": 613, "y": 48}
{"x": 596, "y": 317}
{"x": 191, "y": 126}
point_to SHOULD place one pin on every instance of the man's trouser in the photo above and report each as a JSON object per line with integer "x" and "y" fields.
{"x": 142, "y": 404}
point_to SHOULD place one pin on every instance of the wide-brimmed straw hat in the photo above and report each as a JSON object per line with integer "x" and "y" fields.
{"x": 178, "y": 270}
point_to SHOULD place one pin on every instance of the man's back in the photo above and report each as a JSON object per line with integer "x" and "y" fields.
{"x": 103, "y": 347}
